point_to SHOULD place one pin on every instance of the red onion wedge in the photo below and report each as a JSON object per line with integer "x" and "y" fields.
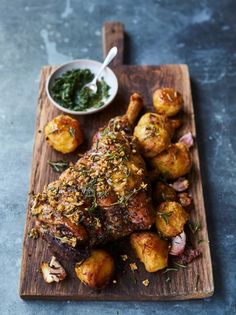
{"x": 187, "y": 139}
{"x": 181, "y": 184}
{"x": 178, "y": 244}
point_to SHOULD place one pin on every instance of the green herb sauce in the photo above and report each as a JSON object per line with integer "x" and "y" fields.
{"x": 68, "y": 90}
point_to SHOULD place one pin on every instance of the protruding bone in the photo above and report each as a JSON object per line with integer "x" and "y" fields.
{"x": 134, "y": 108}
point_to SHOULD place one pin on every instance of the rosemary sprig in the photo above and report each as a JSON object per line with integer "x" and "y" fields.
{"x": 169, "y": 270}
{"x": 58, "y": 166}
{"x": 197, "y": 282}
{"x": 124, "y": 199}
{"x": 180, "y": 265}
{"x": 165, "y": 215}
{"x": 194, "y": 227}
{"x": 167, "y": 279}
{"x": 72, "y": 131}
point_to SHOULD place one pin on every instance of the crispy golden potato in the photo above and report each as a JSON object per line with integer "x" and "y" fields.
{"x": 167, "y": 101}
{"x": 171, "y": 218}
{"x": 97, "y": 270}
{"x": 160, "y": 121}
{"x": 154, "y": 134}
{"x": 152, "y": 139}
{"x": 63, "y": 133}
{"x": 174, "y": 162}
{"x": 162, "y": 192}
{"x": 151, "y": 250}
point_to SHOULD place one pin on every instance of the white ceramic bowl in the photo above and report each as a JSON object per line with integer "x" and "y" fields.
{"x": 108, "y": 75}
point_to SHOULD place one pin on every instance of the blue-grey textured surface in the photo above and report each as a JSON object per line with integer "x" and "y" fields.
{"x": 199, "y": 33}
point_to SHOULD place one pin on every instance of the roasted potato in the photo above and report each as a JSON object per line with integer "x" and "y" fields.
{"x": 152, "y": 139}
{"x": 163, "y": 192}
{"x": 97, "y": 270}
{"x": 160, "y": 121}
{"x": 171, "y": 218}
{"x": 153, "y": 133}
{"x": 167, "y": 101}
{"x": 151, "y": 250}
{"x": 174, "y": 162}
{"x": 63, "y": 133}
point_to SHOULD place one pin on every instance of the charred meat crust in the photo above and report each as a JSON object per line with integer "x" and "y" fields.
{"x": 103, "y": 197}
{"x": 65, "y": 252}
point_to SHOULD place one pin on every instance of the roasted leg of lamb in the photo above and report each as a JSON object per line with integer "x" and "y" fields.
{"x": 103, "y": 197}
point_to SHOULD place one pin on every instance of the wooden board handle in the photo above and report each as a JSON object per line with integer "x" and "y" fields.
{"x": 113, "y": 35}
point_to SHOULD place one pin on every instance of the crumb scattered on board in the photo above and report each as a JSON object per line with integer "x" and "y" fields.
{"x": 33, "y": 233}
{"x": 146, "y": 282}
{"x": 124, "y": 257}
{"x": 133, "y": 266}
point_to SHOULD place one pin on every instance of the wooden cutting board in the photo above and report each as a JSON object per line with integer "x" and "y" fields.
{"x": 196, "y": 280}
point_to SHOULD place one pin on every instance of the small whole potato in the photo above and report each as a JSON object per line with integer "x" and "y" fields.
{"x": 174, "y": 162}
{"x": 163, "y": 192}
{"x": 171, "y": 218}
{"x": 63, "y": 133}
{"x": 154, "y": 134}
{"x": 97, "y": 270}
{"x": 152, "y": 139}
{"x": 160, "y": 121}
{"x": 151, "y": 250}
{"x": 167, "y": 101}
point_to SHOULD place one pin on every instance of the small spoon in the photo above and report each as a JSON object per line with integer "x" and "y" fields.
{"x": 110, "y": 56}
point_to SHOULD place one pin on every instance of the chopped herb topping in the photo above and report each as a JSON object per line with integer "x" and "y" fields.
{"x": 69, "y": 91}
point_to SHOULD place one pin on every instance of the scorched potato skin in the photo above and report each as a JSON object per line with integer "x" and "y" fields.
{"x": 97, "y": 270}
{"x": 151, "y": 250}
{"x": 167, "y": 101}
{"x": 176, "y": 217}
{"x": 63, "y": 133}
{"x": 174, "y": 162}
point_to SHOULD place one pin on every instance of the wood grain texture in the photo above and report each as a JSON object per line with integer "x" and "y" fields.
{"x": 184, "y": 284}
{"x": 113, "y": 35}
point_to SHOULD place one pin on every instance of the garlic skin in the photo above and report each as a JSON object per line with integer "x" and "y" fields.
{"x": 53, "y": 271}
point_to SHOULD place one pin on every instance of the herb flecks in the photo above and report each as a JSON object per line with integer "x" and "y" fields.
{"x": 194, "y": 227}
{"x": 58, "y": 166}
{"x": 180, "y": 265}
{"x": 165, "y": 215}
{"x": 72, "y": 131}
